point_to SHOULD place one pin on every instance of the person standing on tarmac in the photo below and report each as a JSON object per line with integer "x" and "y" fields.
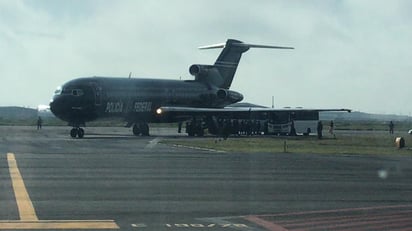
{"x": 39, "y": 123}
{"x": 236, "y": 127}
{"x": 391, "y": 127}
{"x": 319, "y": 129}
{"x": 331, "y": 127}
{"x": 292, "y": 129}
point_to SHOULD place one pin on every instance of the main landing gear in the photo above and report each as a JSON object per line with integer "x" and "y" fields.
{"x": 77, "y": 132}
{"x": 195, "y": 128}
{"x": 141, "y": 129}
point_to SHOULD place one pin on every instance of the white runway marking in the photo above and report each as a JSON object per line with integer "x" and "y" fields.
{"x": 153, "y": 143}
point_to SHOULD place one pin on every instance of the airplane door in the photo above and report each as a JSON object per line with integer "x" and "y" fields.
{"x": 97, "y": 94}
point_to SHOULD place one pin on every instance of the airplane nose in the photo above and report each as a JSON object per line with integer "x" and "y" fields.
{"x": 55, "y": 106}
{"x": 52, "y": 107}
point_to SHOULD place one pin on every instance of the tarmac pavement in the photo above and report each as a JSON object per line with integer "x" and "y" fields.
{"x": 113, "y": 180}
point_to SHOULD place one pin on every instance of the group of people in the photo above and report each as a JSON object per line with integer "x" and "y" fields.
{"x": 240, "y": 127}
{"x": 332, "y": 126}
{"x": 320, "y": 129}
{"x": 252, "y": 127}
{"x": 255, "y": 127}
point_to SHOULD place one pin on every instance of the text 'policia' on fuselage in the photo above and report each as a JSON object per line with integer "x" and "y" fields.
{"x": 143, "y": 101}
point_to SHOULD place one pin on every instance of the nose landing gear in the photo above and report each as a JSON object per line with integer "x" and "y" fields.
{"x": 77, "y": 132}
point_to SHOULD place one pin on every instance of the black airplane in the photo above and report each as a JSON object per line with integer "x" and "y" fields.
{"x": 141, "y": 101}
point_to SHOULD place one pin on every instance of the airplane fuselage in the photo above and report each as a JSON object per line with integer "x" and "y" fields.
{"x": 135, "y": 99}
{"x": 141, "y": 101}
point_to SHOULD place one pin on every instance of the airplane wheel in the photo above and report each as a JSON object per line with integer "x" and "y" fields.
{"x": 190, "y": 129}
{"x": 73, "y": 133}
{"x": 200, "y": 132}
{"x": 144, "y": 127}
{"x": 136, "y": 130}
{"x": 80, "y": 133}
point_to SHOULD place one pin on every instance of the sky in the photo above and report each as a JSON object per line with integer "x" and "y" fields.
{"x": 348, "y": 54}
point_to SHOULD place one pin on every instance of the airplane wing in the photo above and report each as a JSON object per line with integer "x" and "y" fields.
{"x": 167, "y": 109}
{"x": 214, "y": 115}
{"x": 232, "y": 111}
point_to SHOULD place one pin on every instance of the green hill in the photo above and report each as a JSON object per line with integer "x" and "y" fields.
{"x": 18, "y": 113}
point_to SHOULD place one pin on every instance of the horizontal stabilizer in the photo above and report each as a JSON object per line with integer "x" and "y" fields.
{"x": 214, "y": 46}
{"x": 262, "y": 46}
{"x": 241, "y": 44}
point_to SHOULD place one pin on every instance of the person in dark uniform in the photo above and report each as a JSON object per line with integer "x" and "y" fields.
{"x": 391, "y": 127}
{"x": 319, "y": 129}
{"x": 179, "y": 127}
{"x": 292, "y": 129}
{"x": 39, "y": 123}
{"x": 248, "y": 128}
{"x": 258, "y": 127}
{"x": 242, "y": 127}
{"x": 331, "y": 127}
{"x": 236, "y": 127}
{"x": 226, "y": 128}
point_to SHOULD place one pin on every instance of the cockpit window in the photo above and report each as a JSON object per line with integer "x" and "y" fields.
{"x": 77, "y": 92}
{"x": 58, "y": 91}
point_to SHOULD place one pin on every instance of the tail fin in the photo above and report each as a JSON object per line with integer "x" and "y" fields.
{"x": 228, "y": 60}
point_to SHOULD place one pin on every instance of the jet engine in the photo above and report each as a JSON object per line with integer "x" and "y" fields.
{"x": 221, "y": 94}
{"x": 200, "y": 70}
{"x": 229, "y": 96}
{"x": 207, "y": 74}
{"x": 220, "y": 98}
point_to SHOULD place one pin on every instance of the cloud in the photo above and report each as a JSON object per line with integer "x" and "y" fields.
{"x": 348, "y": 53}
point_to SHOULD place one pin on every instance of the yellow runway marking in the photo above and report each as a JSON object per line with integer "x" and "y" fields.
{"x": 27, "y": 213}
{"x": 24, "y": 204}
{"x": 100, "y": 224}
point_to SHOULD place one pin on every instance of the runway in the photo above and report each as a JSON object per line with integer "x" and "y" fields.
{"x": 113, "y": 180}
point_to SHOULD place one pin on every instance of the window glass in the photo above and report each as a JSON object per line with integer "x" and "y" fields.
{"x": 77, "y": 92}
